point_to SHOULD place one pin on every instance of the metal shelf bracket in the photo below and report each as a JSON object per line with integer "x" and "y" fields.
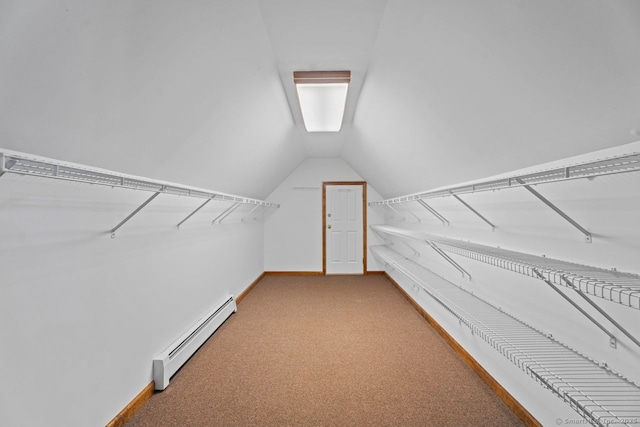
{"x": 493, "y": 227}
{"x": 557, "y": 210}
{"x": 255, "y": 208}
{"x": 448, "y": 259}
{"x": 415, "y": 216}
{"x": 132, "y": 214}
{"x": 391, "y": 243}
{"x": 602, "y": 312}
{"x": 192, "y": 213}
{"x": 226, "y": 213}
{"x": 433, "y": 212}
{"x": 396, "y": 211}
{"x": 415, "y": 253}
{"x": 612, "y": 338}
{"x": 402, "y": 215}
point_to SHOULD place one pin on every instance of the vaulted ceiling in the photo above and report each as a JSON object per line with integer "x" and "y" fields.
{"x": 201, "y": 92}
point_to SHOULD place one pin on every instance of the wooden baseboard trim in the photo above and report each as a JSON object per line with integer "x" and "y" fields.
{"x": 319, "y": 273}
{"x": 244, "y": 293}
{"x": 142, "y": 397}
{"x": 133, "y": 406}
{"x": 294, "y": 273}
{"x": 515, "y": 406}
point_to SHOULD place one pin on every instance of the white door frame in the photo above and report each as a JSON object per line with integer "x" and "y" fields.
{"x": 324, "y": 221}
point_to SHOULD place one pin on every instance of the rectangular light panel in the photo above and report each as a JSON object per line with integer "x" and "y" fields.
{"x": 322, "y": 96}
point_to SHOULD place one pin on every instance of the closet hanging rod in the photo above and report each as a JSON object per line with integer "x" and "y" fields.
{"x": 611, "y": 165}
{"x": 30, "y": 165}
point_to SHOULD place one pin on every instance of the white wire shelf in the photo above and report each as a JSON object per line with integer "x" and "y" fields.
{"x": 601, "y": 396}
{"x": 26, "y": 164}
{"x": 12, "y": 162}
{"x": 607, "y": 166}
{"x": 618, "y": 287}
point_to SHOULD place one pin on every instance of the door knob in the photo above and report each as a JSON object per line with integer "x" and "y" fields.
{"x": 329, "y": 226}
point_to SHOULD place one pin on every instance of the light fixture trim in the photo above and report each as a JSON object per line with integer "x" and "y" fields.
{"x": 301, "y": 77}
{"x": 322, "y": 96}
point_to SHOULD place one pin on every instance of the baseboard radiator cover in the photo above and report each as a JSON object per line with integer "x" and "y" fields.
{"x": 170, "y": 360}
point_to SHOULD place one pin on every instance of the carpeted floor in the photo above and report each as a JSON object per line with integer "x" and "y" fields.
{"x": 325, "y": 351}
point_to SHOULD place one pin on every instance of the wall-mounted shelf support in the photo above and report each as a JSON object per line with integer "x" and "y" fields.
{"x": 396, "y": 211}
{"x": 433, "y": 212}
{"x": 132, "y": 214}
{"x": 391, "y": 242}
{"x": 415, "y": 216}
{"x": 602, "y": 312}
{"x": 557, "y": 210}
{"x": 493, "y": 227}
{"x": 226, "y": 213}
{"x": 402, "y": 211}
{"x": 257, "y": 208}
{"x": 415, "y": 252}
{"x": 448, "y": 259}
{"x": 612, "y": 338}
{"x": 192, "y": 213}
{"x": 381, "y": 231}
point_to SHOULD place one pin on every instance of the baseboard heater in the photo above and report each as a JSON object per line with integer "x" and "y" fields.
{"x": 169, "y": 361}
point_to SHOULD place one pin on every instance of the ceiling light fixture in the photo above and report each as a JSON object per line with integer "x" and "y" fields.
{"x": 322, "y": 96}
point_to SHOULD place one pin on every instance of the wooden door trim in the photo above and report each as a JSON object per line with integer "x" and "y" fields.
{"x": 364, "y": 222}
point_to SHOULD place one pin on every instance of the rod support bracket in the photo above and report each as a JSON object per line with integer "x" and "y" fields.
{"x": 587, "y": 235}
{"x": 492, "y": 225}
{"x": 613, "y": 343}
{"x": 433, "y": 212}
{"x": 132, "y": 214}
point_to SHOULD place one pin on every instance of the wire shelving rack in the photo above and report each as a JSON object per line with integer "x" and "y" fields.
{"x": 623, "y": 163}
{"x": 12, "y": 162}
{"x": 601, "y": 396}
{"x": 607, "y": 166}
{"x": 618, "y": 287}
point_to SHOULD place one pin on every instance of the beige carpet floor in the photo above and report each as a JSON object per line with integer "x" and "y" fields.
{"x": 325, "y": 351}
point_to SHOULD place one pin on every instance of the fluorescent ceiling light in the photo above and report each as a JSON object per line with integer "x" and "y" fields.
{"x": 322, "y": 96}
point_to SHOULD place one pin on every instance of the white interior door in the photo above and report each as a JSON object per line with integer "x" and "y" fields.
{"x": 343, "y": 229}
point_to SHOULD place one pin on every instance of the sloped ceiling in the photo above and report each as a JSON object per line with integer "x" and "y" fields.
{"x": 459, "y": 90}
{"x": 201, "y": 92}
{"x": 181, "y": 91}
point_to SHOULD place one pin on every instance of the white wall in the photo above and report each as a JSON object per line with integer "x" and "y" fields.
{"x": 182, "y": 92}
{"x": 81, "y": 314}
{"x": 458, "y": 90}
{"x": 293, "y": 233}
{"x": 606, "y": 206}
